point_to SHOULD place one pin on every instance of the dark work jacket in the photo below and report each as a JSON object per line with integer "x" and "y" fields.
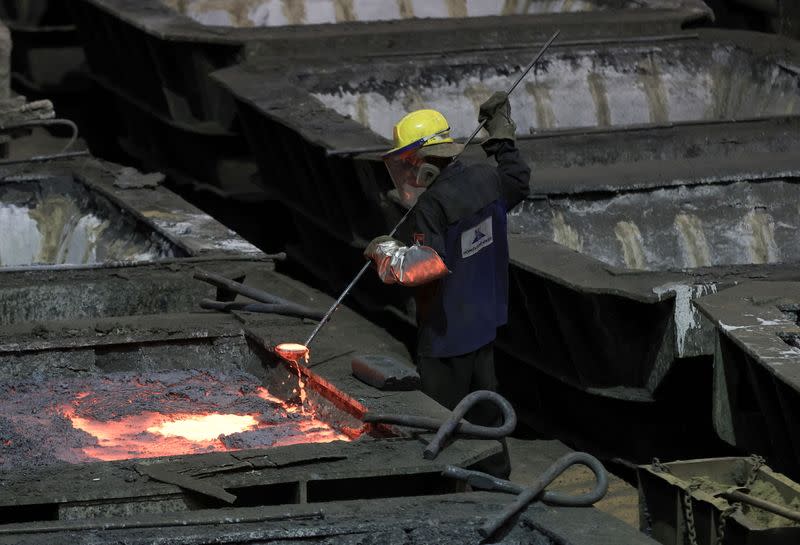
{"x": 463, "y": 217}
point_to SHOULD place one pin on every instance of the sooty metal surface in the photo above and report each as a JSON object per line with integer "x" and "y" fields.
{"x": 579, "y": 87}
{"x": 61, "y": 221}
{"x": 757, "y": 369}
{"x": 669, "y": 190}
{"x": 451, "y": 519}
{"x": 269, "y": 13}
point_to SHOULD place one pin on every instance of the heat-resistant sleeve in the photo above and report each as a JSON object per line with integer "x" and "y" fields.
{"x": 413, "y": 265}
{"x": 515, "y": 174}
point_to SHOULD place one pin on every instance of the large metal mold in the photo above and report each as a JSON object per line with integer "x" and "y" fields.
{"x": 103, "y": 399}
{"x": 179, "y": 53}
{"x": 201, "y": 346}
{"x": 92, "y": 233}
{"x": 634, "y": 174}
{"x": 757, "y": 369}
{"x": 172, "y": 55}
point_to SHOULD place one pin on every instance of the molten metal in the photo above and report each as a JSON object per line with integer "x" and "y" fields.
{"x": 205, "y": 427}
{"x": 123, "y": 416}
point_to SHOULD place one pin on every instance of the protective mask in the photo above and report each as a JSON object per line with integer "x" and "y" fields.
{"x": 426, "y": 174}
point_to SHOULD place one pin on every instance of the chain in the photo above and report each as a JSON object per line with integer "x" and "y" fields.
{"x": 723, "y": 521}
{"x": 756, "y": 462}
{"x": 688, "y": 515}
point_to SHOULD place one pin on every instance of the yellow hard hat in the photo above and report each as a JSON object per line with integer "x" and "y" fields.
{"x": 422, "y": 124}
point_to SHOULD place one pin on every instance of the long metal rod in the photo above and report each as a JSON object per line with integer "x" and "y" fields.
{"x": 735, "y": 495}
{"x": 408, "y": 212}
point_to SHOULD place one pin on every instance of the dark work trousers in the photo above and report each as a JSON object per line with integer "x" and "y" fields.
{"x": 449, "y": 380}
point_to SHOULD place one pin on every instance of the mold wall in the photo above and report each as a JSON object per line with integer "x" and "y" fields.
{"x": 269, "y": 13}
{"x": 613, "y": 87}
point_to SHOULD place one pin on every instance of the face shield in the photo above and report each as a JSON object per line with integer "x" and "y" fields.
{"x": 409, "y": 171}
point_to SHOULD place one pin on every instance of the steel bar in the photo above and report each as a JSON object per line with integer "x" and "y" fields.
{"x": 737, "y": 496}
{"x": 285, "y": 309}
{"x": 236, "y": 287}
{"x": 408, "y": 212}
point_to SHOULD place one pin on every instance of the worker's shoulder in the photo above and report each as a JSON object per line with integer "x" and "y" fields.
{"x": 475, "y": 169}
{"x": 460, "y": 175}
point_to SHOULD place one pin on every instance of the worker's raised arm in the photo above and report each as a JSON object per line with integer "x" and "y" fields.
{"x": 513, "y": 170}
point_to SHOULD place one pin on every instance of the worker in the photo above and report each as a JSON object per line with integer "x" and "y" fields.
{"x": 457, "y": 254}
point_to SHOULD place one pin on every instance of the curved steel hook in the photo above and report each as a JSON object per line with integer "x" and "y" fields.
{"x": 526, "y": 495}
{"x": 449, "y": 427}
{"x": 455, "y": 424}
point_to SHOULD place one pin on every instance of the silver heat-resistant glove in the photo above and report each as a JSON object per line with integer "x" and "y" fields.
{"x": 405, "y": 265}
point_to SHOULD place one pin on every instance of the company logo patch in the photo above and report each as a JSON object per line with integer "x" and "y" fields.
{"x": 475, "y": 239}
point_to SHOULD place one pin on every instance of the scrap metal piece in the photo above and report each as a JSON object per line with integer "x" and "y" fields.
{"x": 384, "y": 372}
{"x": 130, "y": 178}
{"x": 267, "y": 302}
{"x": 188, "y": 483}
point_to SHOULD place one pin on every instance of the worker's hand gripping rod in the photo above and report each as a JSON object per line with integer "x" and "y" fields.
{"x": 408, "y": 212}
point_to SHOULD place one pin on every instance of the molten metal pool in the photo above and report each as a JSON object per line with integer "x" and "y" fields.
{"x": 122, "y": 416}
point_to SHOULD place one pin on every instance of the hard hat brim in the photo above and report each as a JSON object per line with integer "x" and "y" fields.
{"x": 444, "y": 150}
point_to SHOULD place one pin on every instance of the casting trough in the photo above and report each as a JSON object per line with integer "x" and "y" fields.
{"x": 175, "y": 119}
{"x": 757, "y": 369}
{"x": 662, "y": 170}
{"x": 104, "y": 375}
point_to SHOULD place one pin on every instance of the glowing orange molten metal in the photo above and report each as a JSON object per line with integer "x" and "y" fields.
{"x": 205, "y": 427}
{"x": 163, "y": 433}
